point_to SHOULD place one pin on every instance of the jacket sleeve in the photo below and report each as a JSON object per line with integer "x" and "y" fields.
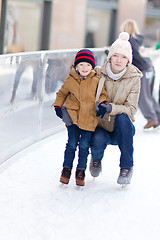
{"x": 129, "y": 107}
{"x": 62, "y": 94}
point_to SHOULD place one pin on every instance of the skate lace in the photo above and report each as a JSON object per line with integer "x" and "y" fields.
{"x": 124, "y": 172}
{"x": 96, "y": 164}
{"x": 80, "y": 174}
{"x": 66, "y": 172}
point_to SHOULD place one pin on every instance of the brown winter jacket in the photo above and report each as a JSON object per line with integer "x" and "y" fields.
{"x": 78, "y": 96}
{"x": 123, "y": 95}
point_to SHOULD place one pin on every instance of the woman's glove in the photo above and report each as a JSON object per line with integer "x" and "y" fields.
{"x": 58, "y": 111}
{"x": 103, "y": 108}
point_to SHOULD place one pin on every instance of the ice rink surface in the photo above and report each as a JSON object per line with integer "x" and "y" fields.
{"x": 35, "y": 206}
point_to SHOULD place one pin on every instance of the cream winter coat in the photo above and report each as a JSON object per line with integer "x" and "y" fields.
{"x": 123, "y": 95}
{"x": 78, "y": 95}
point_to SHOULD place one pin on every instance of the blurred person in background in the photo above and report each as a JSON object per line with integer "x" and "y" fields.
{"x": 147, "y": 103}
{"x": 158, "y": 39}
{"x": 158, "y": 48}
{"x": 11, "y": 32}
{"x": 11, "y": 28}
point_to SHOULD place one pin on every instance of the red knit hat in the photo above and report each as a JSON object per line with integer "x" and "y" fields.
{"x": 85, "y": 55}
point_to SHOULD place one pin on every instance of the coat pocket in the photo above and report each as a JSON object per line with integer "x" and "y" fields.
{"x": 107, "y": 122}
{"x": 72, "y": 103}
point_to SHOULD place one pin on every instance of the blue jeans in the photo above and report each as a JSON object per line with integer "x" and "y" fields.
{"x": 122, "y": 136}
{"x": 77, "y": 136}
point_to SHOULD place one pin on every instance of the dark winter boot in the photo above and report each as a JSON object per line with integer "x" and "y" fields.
{"x": 65, "y": 176}
{"x": 125, "y": 176}
{"x": 95, "y": 168}
{"x": 80, "y": 176}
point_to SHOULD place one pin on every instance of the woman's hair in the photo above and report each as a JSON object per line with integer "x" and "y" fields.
{"x": 131, "y": 27}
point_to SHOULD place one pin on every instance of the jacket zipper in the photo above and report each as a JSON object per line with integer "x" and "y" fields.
{"x": 114, "y": 82}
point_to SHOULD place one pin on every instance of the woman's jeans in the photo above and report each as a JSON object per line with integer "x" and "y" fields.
{"x": 122, "y": 136}
{"x": 77, "y": 136}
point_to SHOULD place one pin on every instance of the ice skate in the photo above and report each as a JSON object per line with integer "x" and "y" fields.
{"x": 95, "y": 168}
{"x": 125, "y": 176}
{"x": 151, "y": 125}
{"x": 80, "y": 176}
{"x": 65, "y": 176}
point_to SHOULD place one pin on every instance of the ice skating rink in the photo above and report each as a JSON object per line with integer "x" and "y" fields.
{"x": 35, "y": 206}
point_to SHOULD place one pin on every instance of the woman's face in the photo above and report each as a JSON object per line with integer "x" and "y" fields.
{"x": 118, "y": 62}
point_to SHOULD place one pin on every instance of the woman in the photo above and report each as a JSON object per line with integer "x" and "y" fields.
{"x": 148, "y": 105}
{"x": 122, "y": 83}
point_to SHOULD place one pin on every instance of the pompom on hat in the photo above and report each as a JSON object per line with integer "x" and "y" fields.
{"x": 85, "y": 55}
{"x": 121, "y": 46}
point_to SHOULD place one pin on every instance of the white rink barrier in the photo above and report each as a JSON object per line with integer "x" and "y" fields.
{"x": 28, "y": 85}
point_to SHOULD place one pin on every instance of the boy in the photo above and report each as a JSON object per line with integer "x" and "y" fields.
{"x": 78, "y": 95}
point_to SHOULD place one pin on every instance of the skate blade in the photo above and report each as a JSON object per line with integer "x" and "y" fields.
{"x": 151, "y": 129}
{"x": 123, "y": 185}
{"x": 79, "y": 188}
{"x": 63, "y": 185}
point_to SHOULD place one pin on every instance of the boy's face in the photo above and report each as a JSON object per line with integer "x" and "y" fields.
{"x": 84, "y": 68}
{"x": 118, "y": 62}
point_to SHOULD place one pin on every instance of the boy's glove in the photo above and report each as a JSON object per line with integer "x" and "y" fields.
{"x": 66, "y": 117}
{"x": 58, "y": 111}
{"x": 103, "y": 108}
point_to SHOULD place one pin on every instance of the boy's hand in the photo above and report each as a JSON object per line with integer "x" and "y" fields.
{"x": 103, "y": 108}
{"x": 58, "y": 111}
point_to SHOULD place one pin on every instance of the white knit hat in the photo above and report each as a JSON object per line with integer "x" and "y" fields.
{"x": 121, "y": 46}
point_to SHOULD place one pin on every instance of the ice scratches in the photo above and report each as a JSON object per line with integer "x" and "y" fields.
{"x": 66, "y": 186}
{"x": 79, "y": 188}
{"x": 63, "y": 185}
{"x": 66, "y": 204}
{"x": 123, "y": 187}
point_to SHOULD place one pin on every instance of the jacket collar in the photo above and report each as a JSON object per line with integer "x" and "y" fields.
{"x": 103, "y": 69}
{"x": 131, "y": 71}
